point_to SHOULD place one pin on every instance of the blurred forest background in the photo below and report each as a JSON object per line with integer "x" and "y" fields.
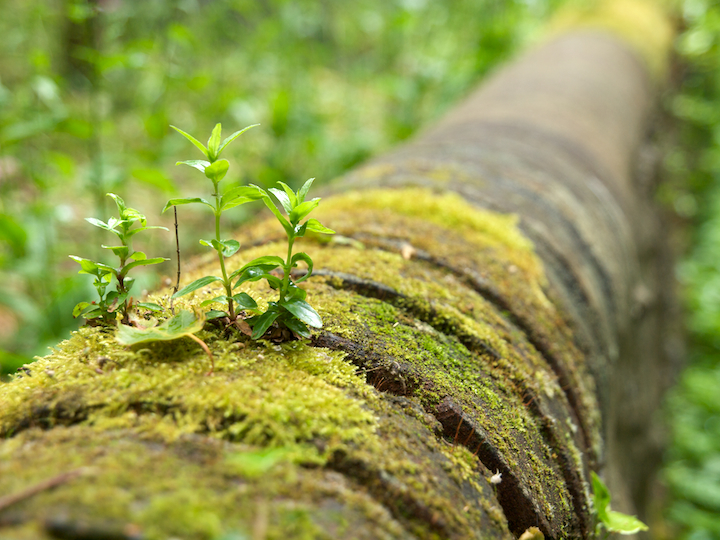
{"x": 88, "y": 89}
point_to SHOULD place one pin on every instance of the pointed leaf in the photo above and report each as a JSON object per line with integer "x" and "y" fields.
{"x": 217, "y": 170}
{"x": 88, "y": 267}
{"x": 315, "y": 226}
{"x": 239, "y": 195}
{"x": 120, "y": 251}
{"x": 268, "y": 262}
{"x": 119, "y": 202}
{"x": 99, "y": 223}
{"x": 199, "y": 164}
{"x": 245, "y": 301}
{"x": 195, "y": 285}
{"x": 193, "y": 140}
{"x": 144, "y": 262}
{"x": 302, "y": 210}
{"x": 230, "y": 247}
{"x": 221, "y": 299}
{"x": 151, "y": 306}
{"x": 263, "y": 322}
{"x": 256, "y": 274}
{"x": 138, "y": 255}
{"x": 283, "y": 198}
{"x": 303, "y": 311}
{"x": 214, "y": 142}
{"x": 297, "y": 326}
{"x": 178, "y": 202}
{"x": 623, "y": 524}
{"x": 295, "y": 292}
{"x": 303, "y": 191}
{"x": 234, "y": 136}
{"x": 290, "y": 193}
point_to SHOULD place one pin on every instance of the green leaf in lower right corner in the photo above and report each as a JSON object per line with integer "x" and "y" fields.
{"x": 620, "y": 523}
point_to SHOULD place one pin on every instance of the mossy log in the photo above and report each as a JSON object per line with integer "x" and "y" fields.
{"x": 496, "y": 310}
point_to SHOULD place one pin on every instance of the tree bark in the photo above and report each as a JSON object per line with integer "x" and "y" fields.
{"x": 497, "y": 309}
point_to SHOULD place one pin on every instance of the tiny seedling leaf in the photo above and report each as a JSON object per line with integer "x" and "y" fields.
{"x": 213, "y": 145}
{"x": 283, "y": 198}
{"x": 315, "y": 226}
{"x": 193, "y": 140}
{"x": 303, "y": 311}
{"x": 303, "y": 191}
{"x": 195, "y": 285}
{"x": 302, "y": 210}
{"x": 234, "y": 136}
{"x": 217, "y": 170}
{"x": 199, "y": 164}
{"x": 178, "y": 202}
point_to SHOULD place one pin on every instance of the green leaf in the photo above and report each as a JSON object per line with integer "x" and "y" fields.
{"x": 119, "y": 202}
{"x": 102, "y": 224}
{"x": 283, "y": 198}
{"x": 271, "y": 206}
{"x": 178, "y": 202}
{"x": 199, "y": 164}
{"x": 601, "y": 496}
{"x": 193, "y": 140}
{"x": 303, "y": 311}
{"x": 307, "y": 260}
{"x": 195, "y": 285}
{"x": 267, "y": 262}
{"x": 302, "y": 210}
{"x": 256, "y": 274}
{"x": 303, "y": 191}
{"x": 151, "y": 306}
{"x": 239, "y": 195}
{"x": 143, "y": 262}
{"x": 623, "y": 524}
{"x": 234, "y": 136}
{"x": 138, "y": 256}
{"x": 261, "y": 323}
{"x": 182, "y": 324}
{"x": 217, "y": 170}
{"x": 214, "y": 314}
{"x": 230, "y": 247}
{"x": 223, "y": 299}
{"x": 245, "y": 301}
{"x": 315, "y": 226}
{"x": 84, "y": 308}
{"x": 290, "y": 193}
{"x": 214, "y": 142}
{"x": 295, "y": 292}
{"x": 120, "y": 251}
{"x": 140, "y": 229}
{"x": 91, "y": 267}
{"x": 297, "y": 326}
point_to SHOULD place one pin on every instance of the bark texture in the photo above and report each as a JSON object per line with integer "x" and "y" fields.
{"x": 495, "y": 308}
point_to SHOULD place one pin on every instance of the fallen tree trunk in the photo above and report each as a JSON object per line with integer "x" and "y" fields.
{"x": 495, "y": 314}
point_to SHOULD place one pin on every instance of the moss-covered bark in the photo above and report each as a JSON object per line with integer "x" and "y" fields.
{"x": 476, "y": 301}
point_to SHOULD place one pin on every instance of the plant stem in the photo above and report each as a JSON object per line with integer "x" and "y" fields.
{"x": 286, "y": 270}
{"x": 221, "y": 257}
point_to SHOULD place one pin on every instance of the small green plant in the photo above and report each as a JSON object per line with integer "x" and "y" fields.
{"x": 215, "y": 170}
{"x": 609, "y": 521}
{"x": 116, "y": 302}
{"x": 290, "y": 310}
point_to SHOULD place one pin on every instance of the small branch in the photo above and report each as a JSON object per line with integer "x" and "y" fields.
{"x": 50, "y": 483}
{"x": 206, "y": 349}
{"x": 177, "y": 247}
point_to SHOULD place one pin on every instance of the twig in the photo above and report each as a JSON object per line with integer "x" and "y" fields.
{"x": 207, "y": 350}
{"x": 31, "y": 491}
{"x": 177, "y": 247}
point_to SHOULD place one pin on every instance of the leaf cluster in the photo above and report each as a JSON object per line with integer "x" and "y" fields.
{"x": 607, "y": 519}
{"x": 291, "y": 310}
{"x": 116, "y": 301}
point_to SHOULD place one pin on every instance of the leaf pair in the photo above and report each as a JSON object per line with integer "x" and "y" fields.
{"x": 612, "y": 521}
{"x": 214, "y": 147}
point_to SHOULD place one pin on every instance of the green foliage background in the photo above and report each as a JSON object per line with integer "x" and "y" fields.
{"x": 331, "y": 83}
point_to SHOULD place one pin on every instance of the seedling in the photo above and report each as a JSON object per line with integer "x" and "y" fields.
{"x": 215, "y": 170}
{"x": 609, "y": 521}
{"x": 116, "y": 302}
{"x": 290, "y": 310}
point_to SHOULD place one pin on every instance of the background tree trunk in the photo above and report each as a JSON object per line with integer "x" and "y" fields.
{"x": 497, "y": 305}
